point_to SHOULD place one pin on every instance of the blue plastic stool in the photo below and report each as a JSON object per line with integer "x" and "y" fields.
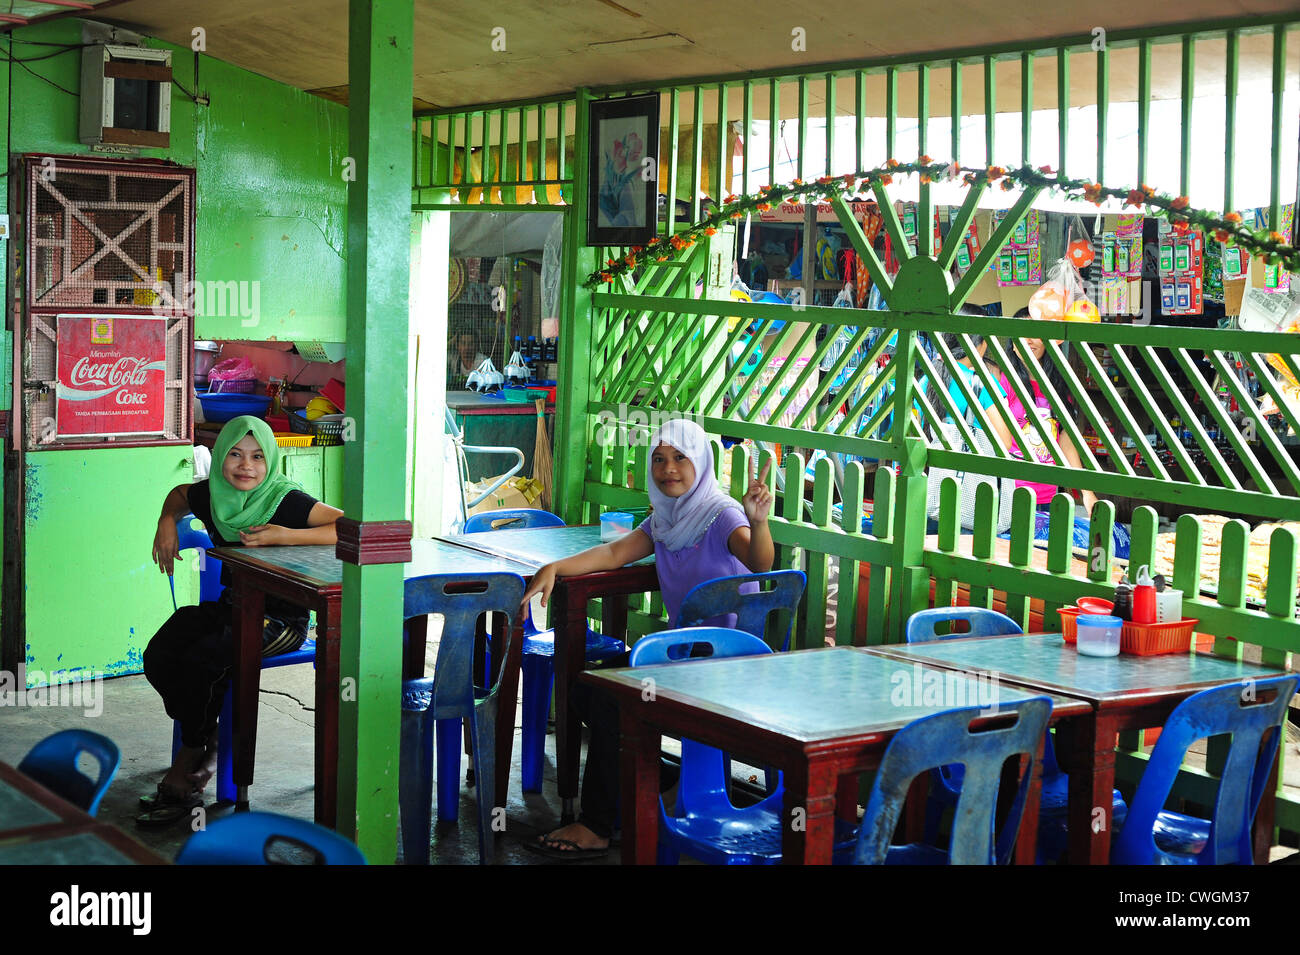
{"x": 244, "y": 837}
{"x": 446, "y": 700}
{"x": 945, "y": 739}
{"x": 53, "y": 763}
{"x": 537, "y": 671}
{"x": 707, "y": 826}
{"x": 191, "y": 534}
{"x": 1152, "y": 835}
{"x": 777, "y": 590}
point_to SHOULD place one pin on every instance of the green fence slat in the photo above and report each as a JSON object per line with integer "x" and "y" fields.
{"x": 1231, "y": 61}
{"x": 853, "y": 231}
{"x": 882, "y": 515}
{"x": 954, "y": 108}
{"x": 1101, "y": 541}
{"x": 891, "y": 111}
{"x": 1020, "y": 553}
{"x": 982, "y": 538}
{"x": 924, "y": 205}
{"x": 1000, "y": 407}
{"x": 890, "y": 216}
{"x": 791, "y": 500}
{"x": 746, "y": 136}
{"x": 1279, "y": 90}
{"x": 802, "y": 149}
{"x": 866, "y": 367}
{"x": 561, "y": 160}
{"x": 846, "y": 606}
{"x": 435, "y": 151}
{"x": 485, "y": 165}
{"x": 810, "y": 331}
{"x": 993, "y": 247}
{"x": 945, "y": 588}
{"x": 721, "y": 179}
{"x": 1026, "y": 105}
{"x": 1062, "y": 108}
{"x": 719, "y": 330}
{"x": 1021, "y": 392}
{"x": 1060, "y": 411}
{"x": 990, "y": 108}
{"x": 674, "y": 120}
{"x": 1144, "y": 107}
{"x": 1121, "y": 410}
{"x": 1187, "y": 92}
{"x": 860, "y": 120}
{"x": 1280, "y": 588}
{"x": 697, "y": 151}
{"x": 949, "y": 410}
{"x": 774, "y": 127}
{"x": 1234, "y": 547}
{"x": 1265, "y": 435}
{"x": 725, "y": 356}
{"x": 1187, "y": 416}
{"x": 1103, "y": 109}
{"x": 813, "y": 610}
{"x": 968, "y": 393}
{"x": 417, "y": 141}
{"x": 541, "y": 150}
{"x": 1060, "y": 548}
{"x": 1142, "y": 543}
{"x": 829, "y": 375}
{"x": 830, "y": 122}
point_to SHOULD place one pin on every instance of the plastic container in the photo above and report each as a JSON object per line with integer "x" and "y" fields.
{"x": 1099, "y": 636}
{"x": 293, "y": 440}
{"x": 1155, "y": 639}
{"x": 614, "y": 524}
{"x": 1144, "y": 597}
{"x": 1169, "y": 606}
{"x": 223, "y": 407}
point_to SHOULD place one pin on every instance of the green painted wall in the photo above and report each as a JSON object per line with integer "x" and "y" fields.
{"x": 271, "y": 214}
{"x": 94, "y": 595}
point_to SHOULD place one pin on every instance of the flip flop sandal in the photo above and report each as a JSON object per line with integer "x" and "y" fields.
{"x": 166, "y": 808}
{"x": 548, "y": 847}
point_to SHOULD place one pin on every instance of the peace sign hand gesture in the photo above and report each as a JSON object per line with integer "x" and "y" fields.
{"x": 758, "y": 499}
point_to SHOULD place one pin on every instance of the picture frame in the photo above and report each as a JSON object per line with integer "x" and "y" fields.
{"x": 623, "y": 170}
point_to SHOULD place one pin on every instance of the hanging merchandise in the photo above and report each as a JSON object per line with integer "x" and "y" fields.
{"x": 551, "y": 265}
{"x": 1180, "y": 265}
{"x": 1276, "y": 279}
{"x": 1021, "y": 261}
{"x": 1121, "y": 265}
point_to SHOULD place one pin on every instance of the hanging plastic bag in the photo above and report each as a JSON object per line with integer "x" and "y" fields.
{"x": 1062, "y": 296}
{"x": 232, "y": 375}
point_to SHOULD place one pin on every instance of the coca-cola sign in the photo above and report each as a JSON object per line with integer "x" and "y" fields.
{"x": 112, "y": 375}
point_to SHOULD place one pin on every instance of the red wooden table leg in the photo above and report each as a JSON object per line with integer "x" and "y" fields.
{"x": 570, "y": 646}
{"x": 247, "y": 621}
{"x": 808, "y": 835}
{"x": 640, "y": 788}
{"x": 1092, "y": 781}
{"x": 328, "y": 637}
{"x": 507, "y": 699}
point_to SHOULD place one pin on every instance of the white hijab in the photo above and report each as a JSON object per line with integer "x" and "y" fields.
{"x": 682, "y": 522}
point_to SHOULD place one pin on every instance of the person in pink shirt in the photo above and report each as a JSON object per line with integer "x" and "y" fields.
{"x": 696, "y": 532}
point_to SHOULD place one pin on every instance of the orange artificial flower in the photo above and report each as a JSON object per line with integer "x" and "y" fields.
{"x": 1181, "y": 202}
{"x": 796, "y": 182}
{"x": 1136, "y": 197}
{"x": 1232, "y": 216}
{"x": 892, "y": 164}
{"x": 925, "y": 178}
{"x": 737, "y": 215}
{"x": 1045, "y": 170}
{"x": 606, "y": 277}
{"x": 709, "y": 230}
{"x": 1222, "y": 235}
{"x": 849, "y": 179}
{"x": 730, "y": 199}
{"x": 886, "y": 180}
{"x": 1277, "y": 237}
{"x": 631, "y": 261}
{"x": 924, "y": 160}
{"x": 610, "y": 262}
{"x": 823, "y": 180}
{"x": 763, "y": 206}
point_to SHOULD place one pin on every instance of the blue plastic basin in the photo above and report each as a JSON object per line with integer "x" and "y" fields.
{"x": 221, "y": 407}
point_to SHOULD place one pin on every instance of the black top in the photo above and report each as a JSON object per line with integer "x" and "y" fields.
{"x": 292, "y": 512}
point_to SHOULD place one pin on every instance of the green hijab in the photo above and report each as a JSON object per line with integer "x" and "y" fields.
{"x": 234, "y": 510}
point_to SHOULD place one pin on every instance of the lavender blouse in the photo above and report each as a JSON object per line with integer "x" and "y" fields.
{"x": 681, "y": 570}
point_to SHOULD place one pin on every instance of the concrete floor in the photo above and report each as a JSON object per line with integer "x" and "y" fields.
{"x": 133, "y": 718}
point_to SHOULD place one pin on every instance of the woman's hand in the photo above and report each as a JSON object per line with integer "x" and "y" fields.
{"x": 542, "y": 583}
{"x": 1089, "y": 501}
{"x": 166, "y": 547}
{"x": 758, "y": 499}
{"x": 266, "y": 535}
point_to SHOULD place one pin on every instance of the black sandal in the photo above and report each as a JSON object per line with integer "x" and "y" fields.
{"x": 164, "y": 808}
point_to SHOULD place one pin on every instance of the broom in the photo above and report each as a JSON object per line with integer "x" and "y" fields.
{"x": 542, "y": 460}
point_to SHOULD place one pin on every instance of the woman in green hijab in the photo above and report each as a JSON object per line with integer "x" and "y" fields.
{"x": 246, "y": 501}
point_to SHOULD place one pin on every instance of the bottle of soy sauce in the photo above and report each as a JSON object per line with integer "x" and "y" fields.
{"x": 1123, "y": 599}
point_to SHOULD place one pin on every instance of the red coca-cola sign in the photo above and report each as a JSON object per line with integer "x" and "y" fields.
{"x": 112, "y": 375}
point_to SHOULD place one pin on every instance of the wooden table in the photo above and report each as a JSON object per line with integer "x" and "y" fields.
{"x": 312, "y": 577}
{"x": 1123, "y": 692}
{"x": 38, "y": 827}
{"x": 537, "y": 546}
{"x": 821, "y": 716}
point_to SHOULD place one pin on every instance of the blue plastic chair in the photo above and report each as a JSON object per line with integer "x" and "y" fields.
{"x": 777, "y": 590}
{"x": 706, "y": 825}
{"x": 537, "y": 671}
{"x": 447, "y": 698}
{"x": 1053, "y": 814}
{"x": 245, "y": 837}
{"x": 945, "y": 739}
{"x": 189, "y": 530}
{"x": 1152, "y": 835}
{"x": 53, "y": 763}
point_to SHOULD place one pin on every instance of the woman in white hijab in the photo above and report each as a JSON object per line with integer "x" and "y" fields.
{"x": 696, "y": 532}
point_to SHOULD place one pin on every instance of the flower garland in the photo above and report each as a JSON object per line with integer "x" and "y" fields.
{"x": 1226, "y": 227}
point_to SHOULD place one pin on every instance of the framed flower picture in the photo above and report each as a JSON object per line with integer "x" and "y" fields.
{"x": 623, "y": 170}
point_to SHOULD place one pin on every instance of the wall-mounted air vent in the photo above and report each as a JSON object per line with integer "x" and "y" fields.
{"x": 126, "y": 96}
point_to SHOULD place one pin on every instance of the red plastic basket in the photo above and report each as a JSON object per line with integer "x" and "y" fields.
{"x": 1139, "y": 639}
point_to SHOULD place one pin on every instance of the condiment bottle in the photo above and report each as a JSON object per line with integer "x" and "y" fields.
{"x": 1123, "y": 599}
{"x": 1144, "y": 597}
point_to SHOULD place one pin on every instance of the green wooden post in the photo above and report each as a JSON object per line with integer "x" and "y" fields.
{"x": 578, "y": 261}
{"x": 380, "y": 43}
